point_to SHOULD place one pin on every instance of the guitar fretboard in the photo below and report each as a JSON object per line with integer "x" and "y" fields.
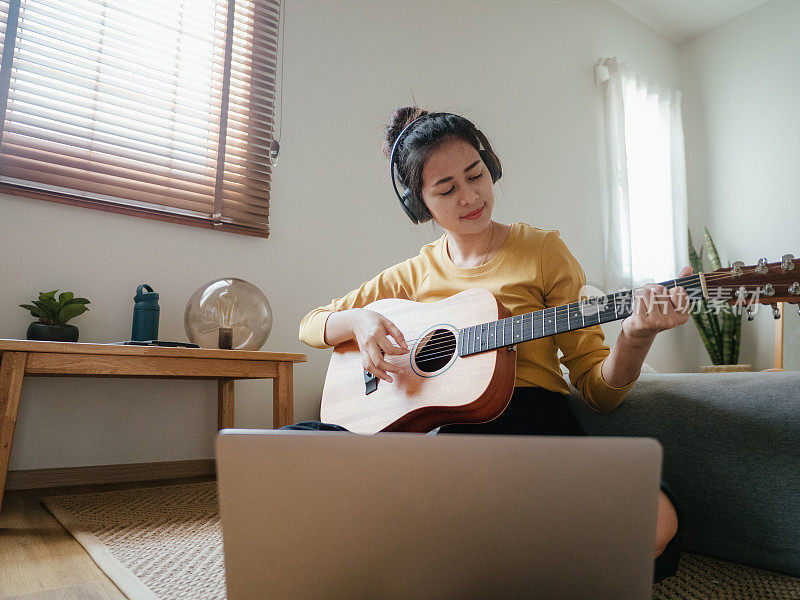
{"x": 557, "y": 319}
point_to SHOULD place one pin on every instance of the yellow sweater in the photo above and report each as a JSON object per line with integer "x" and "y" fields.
{"x": 533, "y": 270}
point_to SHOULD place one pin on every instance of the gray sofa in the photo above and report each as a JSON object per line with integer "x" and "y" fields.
{"x": 731, "y": 455}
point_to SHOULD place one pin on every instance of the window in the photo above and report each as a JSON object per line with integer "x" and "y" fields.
{"x": 156, "y": 108}
{"x": 645, "y": 214}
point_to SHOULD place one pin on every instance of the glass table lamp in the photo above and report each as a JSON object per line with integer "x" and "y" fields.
{"x": 228, "y": 313}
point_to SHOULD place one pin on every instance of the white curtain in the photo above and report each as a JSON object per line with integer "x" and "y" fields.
{"x": 645, "y": 212}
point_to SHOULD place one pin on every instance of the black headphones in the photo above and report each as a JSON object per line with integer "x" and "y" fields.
{"x": 415, "y": 207}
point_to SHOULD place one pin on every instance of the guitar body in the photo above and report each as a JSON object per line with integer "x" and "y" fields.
{"x": 434, "y": 386}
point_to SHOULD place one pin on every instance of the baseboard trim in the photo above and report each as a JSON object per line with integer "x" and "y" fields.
{"x": 45, "y": 478}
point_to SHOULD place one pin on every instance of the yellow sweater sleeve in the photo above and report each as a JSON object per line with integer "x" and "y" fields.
{"x": 398, "y": 281}
{"x": 583, "y": 350}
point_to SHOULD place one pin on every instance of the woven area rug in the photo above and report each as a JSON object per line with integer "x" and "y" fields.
{"x": 165, "y": 543}
{"x": 157, "y": 543}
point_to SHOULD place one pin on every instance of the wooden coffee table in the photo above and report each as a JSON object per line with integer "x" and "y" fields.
{"x": 22, "y": 358}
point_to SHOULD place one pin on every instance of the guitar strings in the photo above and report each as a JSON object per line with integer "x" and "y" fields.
{"x": 446, "y": 347}
{"x": 559, "y": 311}
{"x": 429, "y": 355}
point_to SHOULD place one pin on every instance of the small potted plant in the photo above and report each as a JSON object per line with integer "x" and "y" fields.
{"x": 53, "y": 316}
{"x": 719, "y": 326}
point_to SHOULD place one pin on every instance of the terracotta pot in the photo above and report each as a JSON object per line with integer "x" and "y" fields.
{"x": 725, "y": 368}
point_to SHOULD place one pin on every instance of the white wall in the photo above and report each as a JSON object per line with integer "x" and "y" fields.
{"x": 521, "y": 69}
{"x": 742, "y": 128}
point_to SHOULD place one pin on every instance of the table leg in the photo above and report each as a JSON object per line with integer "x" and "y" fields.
{"x": 282, "y": 407}
{"x": 12, "y": 371}
{"x": 224, "y": 403}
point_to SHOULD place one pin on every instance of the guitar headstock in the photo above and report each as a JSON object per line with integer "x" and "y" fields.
{"x": 762, "y": 283}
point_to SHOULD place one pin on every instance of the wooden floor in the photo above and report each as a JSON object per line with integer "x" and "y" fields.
{"x": 40, "y": 560}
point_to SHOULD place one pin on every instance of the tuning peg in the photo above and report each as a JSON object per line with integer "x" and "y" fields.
{"x": 798, "y": 309}
{"x": 776, "y": 312}
{"x": 768, "y": 290}
{"x": 794, "y": 289}
{"x": 750, "y": 315}
{"x": 787, "y": 263}
{"x": 762, "y": 268}
{"x": 736, "y": 268}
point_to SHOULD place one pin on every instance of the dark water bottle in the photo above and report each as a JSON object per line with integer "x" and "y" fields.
{"x": 145, "y": 314}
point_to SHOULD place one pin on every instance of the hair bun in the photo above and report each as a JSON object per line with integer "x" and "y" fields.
{"x": 401, "y": 117}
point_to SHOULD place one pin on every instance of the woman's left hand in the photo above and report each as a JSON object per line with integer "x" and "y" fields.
{"x": 656, "y": 308}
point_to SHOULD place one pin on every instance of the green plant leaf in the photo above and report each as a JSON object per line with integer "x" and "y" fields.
{"x": 35, "y": 311}
{"x": 706, "y": 319}
{"x": 76, "y": 301}
{"x": 728, "y": 337}
{"x": 49, "y": 307}
{"x": 694, "y": 256}
{"x": 52, "y": 307}
{"x": 716, "y": 330}
{"x": 46, "y": 295}
{"x": 720, "y": 332}
{"x": 65, "y": 297}
{"x": 711, "y": 348}
{"x": 737, "y": 336}
{"x": 713, "y": 257}
{"x": 70, "y": 311}
{"x": 702, "y": 324}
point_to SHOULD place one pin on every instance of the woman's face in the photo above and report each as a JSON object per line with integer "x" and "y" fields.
{"x": 457, "y": 188}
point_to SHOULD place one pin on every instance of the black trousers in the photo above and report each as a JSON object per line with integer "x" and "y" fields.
{"x": 536, "y": 411}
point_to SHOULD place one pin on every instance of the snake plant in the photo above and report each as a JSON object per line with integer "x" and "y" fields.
{"x": 720, "y": 326}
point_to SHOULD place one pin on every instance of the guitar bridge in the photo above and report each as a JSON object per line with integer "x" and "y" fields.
{"x": 370, "y": 382}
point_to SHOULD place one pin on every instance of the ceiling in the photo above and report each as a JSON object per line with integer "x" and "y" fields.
{"x": 681, "y": 20}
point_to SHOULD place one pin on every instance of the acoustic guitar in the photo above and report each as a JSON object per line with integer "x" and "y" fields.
{"x": 462, "y": 360}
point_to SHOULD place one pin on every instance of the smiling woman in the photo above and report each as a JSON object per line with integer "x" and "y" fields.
{"x": 150, "y": 108}
{"x": 448, "y": 169}
{"x": 461, "y": 203}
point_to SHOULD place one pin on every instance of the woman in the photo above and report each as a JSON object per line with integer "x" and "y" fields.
{"x": 448, "y": 169}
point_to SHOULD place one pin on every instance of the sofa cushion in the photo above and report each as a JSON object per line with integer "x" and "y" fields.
{"x": 731, "y": 455}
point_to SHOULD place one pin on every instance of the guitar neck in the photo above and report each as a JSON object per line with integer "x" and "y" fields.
{"x": 559, "y": 319}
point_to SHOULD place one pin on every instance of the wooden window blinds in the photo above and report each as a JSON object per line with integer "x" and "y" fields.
{"x": 156, "y": 108}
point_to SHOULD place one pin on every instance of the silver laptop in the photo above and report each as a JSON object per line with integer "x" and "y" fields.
{"x": 409, "y": 516}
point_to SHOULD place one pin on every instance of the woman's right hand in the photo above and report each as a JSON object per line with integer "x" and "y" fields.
{"x": 372, "y": 331}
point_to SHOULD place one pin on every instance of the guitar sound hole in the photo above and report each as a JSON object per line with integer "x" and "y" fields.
{"x": 435, "y": 351}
